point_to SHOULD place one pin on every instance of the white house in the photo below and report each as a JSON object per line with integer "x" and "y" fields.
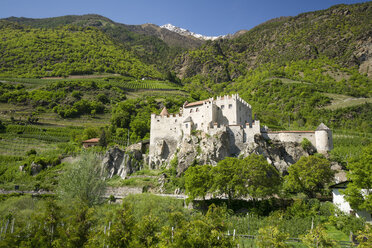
{"x": 344, "y": 206}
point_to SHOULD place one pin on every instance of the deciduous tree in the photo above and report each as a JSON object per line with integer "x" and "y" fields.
{"x": 359, "y": 191}
{"x": 309, "y": 175}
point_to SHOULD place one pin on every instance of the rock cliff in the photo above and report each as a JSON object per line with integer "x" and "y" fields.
{"x": 201, "y": 148}
{"x": 122, "y": 162}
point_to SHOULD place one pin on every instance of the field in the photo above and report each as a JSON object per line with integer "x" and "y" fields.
{"x": 343, "y": 101}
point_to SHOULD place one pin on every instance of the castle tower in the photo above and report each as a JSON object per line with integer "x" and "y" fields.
{"x": 187, "y": 126}
{"x": 164, "y": 112}
{"x": 323, "y": 139}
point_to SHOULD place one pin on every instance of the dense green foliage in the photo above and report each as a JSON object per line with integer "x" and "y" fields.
{"x": 306, "y": 36}
{"x": 145, "y": 42}
{"x": 252, "y": 176}
{"x": 30, "y": 52}
{"x": 147, "y": 220}
{"x": 358, "y": 192}
{"x": 83, "y": 181}
{"x": 309, "y": 175}
{"x": 134, "y": 115}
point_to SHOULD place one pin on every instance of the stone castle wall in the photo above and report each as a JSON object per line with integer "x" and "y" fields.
{"x": 230, "y": 114}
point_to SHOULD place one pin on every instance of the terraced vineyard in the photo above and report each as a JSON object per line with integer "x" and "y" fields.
{"x": 15, "y": 145}
{"x": 150, "y": 85}
{"x": 19, "y": 139}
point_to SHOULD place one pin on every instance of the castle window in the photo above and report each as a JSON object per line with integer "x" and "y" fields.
{"x": 222, "y": 106}
{"x": 197, "y": 109}
{"x": 196, "y": 125}
{"x": 230, "y": 106}
{"x": 175, "y": 120}
{"x": 190, "y": 110}
{"x": 187, "y": 125}
{"x": 158, "y": 120}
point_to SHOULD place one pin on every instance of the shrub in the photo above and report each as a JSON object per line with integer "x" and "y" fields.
{"x": 31, "y": 152}
{"x": 306, "y": 144}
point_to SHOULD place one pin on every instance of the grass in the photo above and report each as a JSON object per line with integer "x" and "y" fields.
{"x": 148, "y": 172}
{"x": 343, "y": 101}
{"x": 156, "y": 93}
{"x": 347, "y": 144}
{"x": 288, "y": 81}
{"x": 11, "y": 145}
{"x": 117, "y": 181}
{"x": 335, "y": 234}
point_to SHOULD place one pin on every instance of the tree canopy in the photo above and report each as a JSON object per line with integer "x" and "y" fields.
{"x": 252, "y": 176}
{"x": 309, "y": 175}
{"x": 358, "y": 191}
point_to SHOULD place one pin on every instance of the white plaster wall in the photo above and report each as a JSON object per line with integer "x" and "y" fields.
{"x": 163, "y": 127}
{"x": 244, "y": 112}
{"x": 293, "y": 136}
{"x": 344, "y": 206}
{"x": 227, "y": 115}
{"x": 324, "y": 140}
{"x": 251, "y": 131}
{"x": 339, "y": 201}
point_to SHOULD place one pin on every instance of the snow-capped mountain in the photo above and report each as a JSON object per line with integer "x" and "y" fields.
{"x": 186, "y": 32}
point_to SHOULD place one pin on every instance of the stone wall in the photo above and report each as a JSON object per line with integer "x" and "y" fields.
{"x": 292, "y": 136}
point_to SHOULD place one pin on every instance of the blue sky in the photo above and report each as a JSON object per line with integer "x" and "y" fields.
{"x": 207, "y": 17}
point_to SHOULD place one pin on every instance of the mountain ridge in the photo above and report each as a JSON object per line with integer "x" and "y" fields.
{"x": 186, "y": 32}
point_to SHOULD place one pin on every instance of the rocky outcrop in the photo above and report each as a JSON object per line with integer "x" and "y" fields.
{"x": 122, "y": 162}
{"x": 201, "y": 148}
{"x": 279, "y": 154}
{"x": 35, "y": 168}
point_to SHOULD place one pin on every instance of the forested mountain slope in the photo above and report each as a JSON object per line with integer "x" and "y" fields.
{"x": 38, "y": 52}
{"x": 342, "y": 33}
{"x": 150, "y": 43}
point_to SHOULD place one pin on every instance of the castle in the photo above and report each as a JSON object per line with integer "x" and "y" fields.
{"x": 225, "y": 113}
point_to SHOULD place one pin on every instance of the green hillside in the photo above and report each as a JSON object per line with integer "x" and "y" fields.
{"x": 149, "y": 43}
{"x": 37, "y": 52}
{"x": 340, "y": 33}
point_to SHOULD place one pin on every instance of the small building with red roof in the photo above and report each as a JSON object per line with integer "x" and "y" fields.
{"x": 90, "y": 142}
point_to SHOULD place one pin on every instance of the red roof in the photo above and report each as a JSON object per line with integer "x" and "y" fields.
{"x": 192, "y": 104}
{"x": 94, "y": 140}
{"x": 164, "y": 112}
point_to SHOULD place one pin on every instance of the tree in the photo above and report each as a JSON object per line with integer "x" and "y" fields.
{"x": 365, "y": 237}
{"x": 271, "y": 237}
{"x": 261, "y": 178}
{"x": 359, "y": 191}
{"x": 2, "y": 127}
{"x": 227, "y": 178}
{"x": 198, "y": 181}
{"x": 309, "y": 175}
{"x": 103, "y": 138}
{"x": 252, "y": 176}
{"x": 83, "y": 181}
{"x": 121, "y": 233}
{"x": 318, "y": 237}
{"x": 199, "y": 231}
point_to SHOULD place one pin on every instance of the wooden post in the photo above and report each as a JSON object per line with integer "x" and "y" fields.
{"x": 172, "y": 233}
